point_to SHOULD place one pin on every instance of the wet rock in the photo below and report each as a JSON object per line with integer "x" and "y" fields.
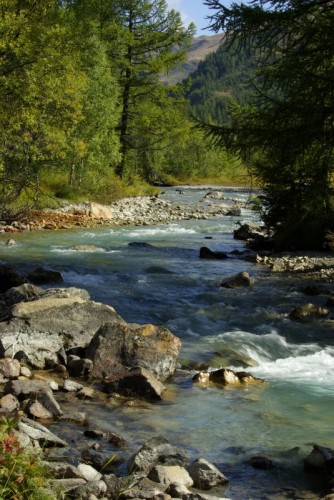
{"x": 158, "y": 270}
{"x": 87, "y": 248}
{"x": 262, "y": 463}
{"x": 10, "y": 368}
{"x": 234, "y": 212}
{"x": 41, "y": 328}
{"x": 312, "y": 290}
{"x": 247, "y": 231}
{"x": 135, "y": 382}
{"x": 157, "y": 451}
{"x": 308, "y": 312}
{"x": 225, "y": 376}
{"x": 10, "y": 243}
{"x": 115, "y": 346}
{"x": 216, "y": 195}
{"x": 206, "y": 253}
{"x": 205, "y": 475}
{"x": 42, "y": 276}
{"x": 240, "y": 280}
{"x": 10, "y": 277}
{"x": 166, "y": 475}
{"x": 9, "y": 403}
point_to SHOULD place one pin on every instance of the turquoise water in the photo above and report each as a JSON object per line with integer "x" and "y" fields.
{"x": 281, "y": 419}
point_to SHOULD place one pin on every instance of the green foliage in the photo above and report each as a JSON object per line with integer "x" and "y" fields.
{"x": 286, "y": 135}
{"x": 220, "y": 82}
{"x": 22, "y": 474}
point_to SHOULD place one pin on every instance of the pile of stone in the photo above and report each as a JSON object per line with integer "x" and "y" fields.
{"x": 139, "y": 211}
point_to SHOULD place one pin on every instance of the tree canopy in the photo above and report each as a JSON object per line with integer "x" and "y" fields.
{"x": 286, "y": 133}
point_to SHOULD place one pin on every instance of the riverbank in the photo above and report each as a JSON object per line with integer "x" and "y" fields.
{"x": 136, "y": 211}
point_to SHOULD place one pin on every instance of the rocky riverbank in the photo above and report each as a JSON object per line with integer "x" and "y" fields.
{"x": 56, "y": 346}
{"x": 137, "y": 211}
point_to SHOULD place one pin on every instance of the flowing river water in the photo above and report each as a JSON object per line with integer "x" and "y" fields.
{"x": 280, "y": 420}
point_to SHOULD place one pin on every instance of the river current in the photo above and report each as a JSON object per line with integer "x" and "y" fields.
{"x": 280, "y": 420}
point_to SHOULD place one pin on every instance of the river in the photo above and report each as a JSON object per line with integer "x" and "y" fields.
{"x": 281, "y": 419}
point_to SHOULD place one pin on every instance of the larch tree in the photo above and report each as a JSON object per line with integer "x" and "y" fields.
{"x": 146, "y": 40}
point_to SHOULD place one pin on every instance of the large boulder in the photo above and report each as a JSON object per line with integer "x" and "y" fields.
{"x": 39, "y": 329}
{"x": 116, "y": 346}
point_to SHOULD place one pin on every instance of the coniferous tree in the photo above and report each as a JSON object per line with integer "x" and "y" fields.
{"x": 286, "y": 135}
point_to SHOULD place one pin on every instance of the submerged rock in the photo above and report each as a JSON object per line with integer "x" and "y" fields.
{"x": 308, "y": 312}
{"x": 240, "y": 280}
{"x": 206, "y": 253}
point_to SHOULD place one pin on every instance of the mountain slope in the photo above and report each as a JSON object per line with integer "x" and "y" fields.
{"x": 201, "y": 47}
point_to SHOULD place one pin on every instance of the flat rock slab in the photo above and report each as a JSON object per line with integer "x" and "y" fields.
{"x": 42, "y": 327}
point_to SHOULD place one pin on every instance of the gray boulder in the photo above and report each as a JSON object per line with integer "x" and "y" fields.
{"x": 10, "y": 368}
{"x": 157, "y": 451}
{"x": 170, "y": 474}
{"x": 39, "y": 433}
{"x": 9, "y": 403}
{"x": 41, "y": 328}
{"x": 205, "y": 475}
{"x": 118, "y": 346}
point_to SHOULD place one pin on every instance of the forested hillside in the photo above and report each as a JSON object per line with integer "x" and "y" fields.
{"x": 84, "y": 112}
{"x": 220, "y": 82}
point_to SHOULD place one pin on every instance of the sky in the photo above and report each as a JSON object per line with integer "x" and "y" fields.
{"x": 193, "y": 11}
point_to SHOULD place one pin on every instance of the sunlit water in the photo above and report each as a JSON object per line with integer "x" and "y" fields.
{"x": 281, "y": 419}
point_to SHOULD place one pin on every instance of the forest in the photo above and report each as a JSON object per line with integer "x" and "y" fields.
{"x": 86, "y": 114}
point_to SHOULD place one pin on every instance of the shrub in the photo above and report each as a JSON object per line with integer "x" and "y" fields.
{"x": 22, "y": 473}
